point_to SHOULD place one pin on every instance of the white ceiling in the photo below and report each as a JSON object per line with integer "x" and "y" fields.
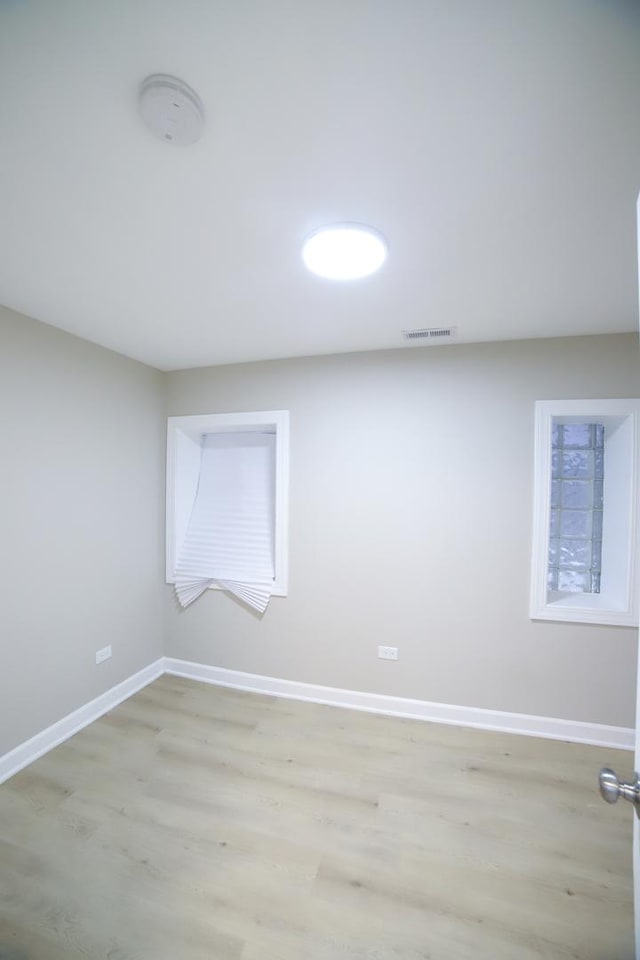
{"x": 495, "y": 143}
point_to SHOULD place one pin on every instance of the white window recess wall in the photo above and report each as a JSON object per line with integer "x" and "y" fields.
{"x": 227, "y": 505}
{"x": 585, "y": 538}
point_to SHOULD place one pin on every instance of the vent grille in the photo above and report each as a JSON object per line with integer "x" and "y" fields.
{"x": 428, "y": 334}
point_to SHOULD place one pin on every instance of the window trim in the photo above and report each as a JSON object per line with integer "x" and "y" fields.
{"x": 181, "y": 430}
{"x": 617, "y": 603}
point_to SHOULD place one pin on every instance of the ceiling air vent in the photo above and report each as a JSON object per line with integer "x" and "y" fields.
{"x": 429, "y": 335}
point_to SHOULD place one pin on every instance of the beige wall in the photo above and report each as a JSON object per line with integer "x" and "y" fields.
{"x": 411, "y": 503}
{"x": 411, "y": 476}
{"x": 81, "y": 486}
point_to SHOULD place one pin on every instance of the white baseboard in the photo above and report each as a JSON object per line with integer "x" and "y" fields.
{"x": 46, "y": 740}
{"x": 620, "y": 738}
{"x": 575, "y": 731}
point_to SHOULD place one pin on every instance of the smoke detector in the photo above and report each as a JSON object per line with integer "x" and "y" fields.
{"x": 171, "y": 109}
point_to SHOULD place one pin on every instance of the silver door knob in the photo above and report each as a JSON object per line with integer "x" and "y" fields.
{"x": 612, "y": 788}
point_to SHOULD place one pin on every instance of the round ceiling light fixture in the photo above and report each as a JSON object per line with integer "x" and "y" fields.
{"x": 171, "y": 109}
{"x": 344, "y": 251}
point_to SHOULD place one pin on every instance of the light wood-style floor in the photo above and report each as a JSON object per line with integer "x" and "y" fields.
{"x": 195, "y": 822}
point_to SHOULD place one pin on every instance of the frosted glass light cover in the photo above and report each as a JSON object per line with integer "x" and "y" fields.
{"x": 344, "y": 251}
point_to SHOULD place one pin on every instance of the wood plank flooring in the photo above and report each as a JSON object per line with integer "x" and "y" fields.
{"x": 196, "y": 822}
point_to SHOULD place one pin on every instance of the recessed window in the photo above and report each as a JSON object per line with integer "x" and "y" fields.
{"x": 585, "y": 544}
{"x": 227, "y": 505}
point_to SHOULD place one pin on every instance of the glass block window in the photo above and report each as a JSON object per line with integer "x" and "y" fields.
{"x": 586, "y": 547}
{"x": 575, "y": 536}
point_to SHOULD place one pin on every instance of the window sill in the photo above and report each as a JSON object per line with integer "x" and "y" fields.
{"x": 585, "y": 608}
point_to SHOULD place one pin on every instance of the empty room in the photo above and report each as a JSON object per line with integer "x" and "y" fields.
{"x": 320, "y": 424}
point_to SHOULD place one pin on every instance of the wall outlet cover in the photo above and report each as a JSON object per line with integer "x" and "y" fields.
{"x": 388, "y": 653}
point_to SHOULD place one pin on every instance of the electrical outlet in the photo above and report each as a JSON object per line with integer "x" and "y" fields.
{"x": 104, "y": 654}
{"x": 388, "y": 653}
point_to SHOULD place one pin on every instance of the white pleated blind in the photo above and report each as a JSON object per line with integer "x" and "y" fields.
{"x": 230, "y": 535}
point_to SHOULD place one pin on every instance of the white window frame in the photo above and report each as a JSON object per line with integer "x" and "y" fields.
{"x": 617, "y": 602}
{"x": 183, "y": 469}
